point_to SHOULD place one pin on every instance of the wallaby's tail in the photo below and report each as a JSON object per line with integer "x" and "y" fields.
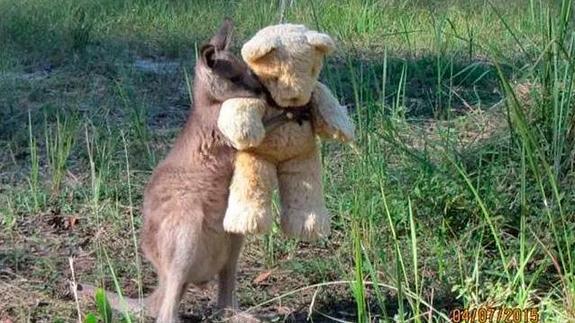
{"x": 120, "y": 304}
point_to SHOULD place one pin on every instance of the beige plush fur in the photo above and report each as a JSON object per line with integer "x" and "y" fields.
{"x": 330, "y": 119}
{"x": 234, "y": 113}
{"x": 287, "y": 59}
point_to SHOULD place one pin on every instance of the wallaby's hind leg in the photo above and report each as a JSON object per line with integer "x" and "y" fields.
{"x": 227, "y": 276}
{"x": 154, "y": 301}
{"x": 174, "y": 286}
{"x": 177, "y": 249}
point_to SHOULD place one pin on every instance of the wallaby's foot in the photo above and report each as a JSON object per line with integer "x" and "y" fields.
{"x": 235, "y": 316}
{"x": 87, "y": 292}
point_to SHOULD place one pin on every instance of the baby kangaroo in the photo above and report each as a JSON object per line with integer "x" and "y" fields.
{"x": 186, "y": 197}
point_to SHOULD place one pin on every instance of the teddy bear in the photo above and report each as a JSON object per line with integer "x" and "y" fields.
{"x": 287, "y": 58}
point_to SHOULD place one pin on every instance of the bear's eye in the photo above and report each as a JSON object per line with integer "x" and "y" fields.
{"x": 313, "y": 70}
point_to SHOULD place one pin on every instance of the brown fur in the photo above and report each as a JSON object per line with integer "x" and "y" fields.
{"x": 186, "y": 197}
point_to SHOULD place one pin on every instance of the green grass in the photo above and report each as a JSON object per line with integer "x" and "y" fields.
{"x": 460, "y": 193}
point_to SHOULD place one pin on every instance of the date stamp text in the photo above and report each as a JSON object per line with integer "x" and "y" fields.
{"x": 485, "y": 314}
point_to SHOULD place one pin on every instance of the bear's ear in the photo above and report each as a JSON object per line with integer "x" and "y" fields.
{"x": 253, "y": 51}
{"x": 223, "y": 38}
{"x": 322, "y": 42}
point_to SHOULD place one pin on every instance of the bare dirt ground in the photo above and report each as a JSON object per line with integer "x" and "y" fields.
{"x": 35, "y": 276}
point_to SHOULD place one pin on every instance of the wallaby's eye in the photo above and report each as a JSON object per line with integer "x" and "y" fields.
{"x": 236, "y": 79}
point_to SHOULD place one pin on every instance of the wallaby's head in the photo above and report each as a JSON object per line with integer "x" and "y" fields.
{"x": 223, "y": 74}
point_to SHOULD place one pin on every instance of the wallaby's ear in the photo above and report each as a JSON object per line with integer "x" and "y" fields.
{"x": 223, "y": 38}
{"x": 207, "y": 53}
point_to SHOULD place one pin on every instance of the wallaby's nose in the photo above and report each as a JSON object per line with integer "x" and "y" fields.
{"x": 254, "y": 83}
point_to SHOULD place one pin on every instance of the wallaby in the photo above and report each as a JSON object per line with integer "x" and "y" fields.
{"x": 186, "y": 197}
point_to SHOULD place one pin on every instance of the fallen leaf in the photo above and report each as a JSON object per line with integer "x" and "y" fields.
{"x": 263, "y": 276}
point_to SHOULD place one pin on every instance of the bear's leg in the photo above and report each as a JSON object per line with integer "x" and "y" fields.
{"x": 304, "y": 214}
{"x": 250, "y": 201}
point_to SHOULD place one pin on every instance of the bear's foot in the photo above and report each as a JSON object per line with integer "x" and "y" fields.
{"x": 304, "y": 225}
{"x": 244, "y": 217}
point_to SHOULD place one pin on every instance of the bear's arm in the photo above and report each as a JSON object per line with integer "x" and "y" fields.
{"x": 240, "y": 121}
{"x": 330, "y": 119}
